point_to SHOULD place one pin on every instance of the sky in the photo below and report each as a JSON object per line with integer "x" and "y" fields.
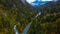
{"x": 30, "y": 1}
{"x": 37, "y": 3}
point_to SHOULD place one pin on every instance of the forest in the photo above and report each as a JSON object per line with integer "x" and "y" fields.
{"x": 15, "y": 12}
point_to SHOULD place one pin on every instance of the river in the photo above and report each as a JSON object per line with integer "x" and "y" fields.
{"x": 27, "y": 27}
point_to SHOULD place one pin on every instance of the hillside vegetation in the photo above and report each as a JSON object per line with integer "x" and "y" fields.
{"x": 15, "y": 12}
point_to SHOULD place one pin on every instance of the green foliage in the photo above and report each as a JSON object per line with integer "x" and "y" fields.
{"x": 14, "y": 12}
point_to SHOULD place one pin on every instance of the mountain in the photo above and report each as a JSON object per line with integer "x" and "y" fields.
{"x": 15, "y": 12}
